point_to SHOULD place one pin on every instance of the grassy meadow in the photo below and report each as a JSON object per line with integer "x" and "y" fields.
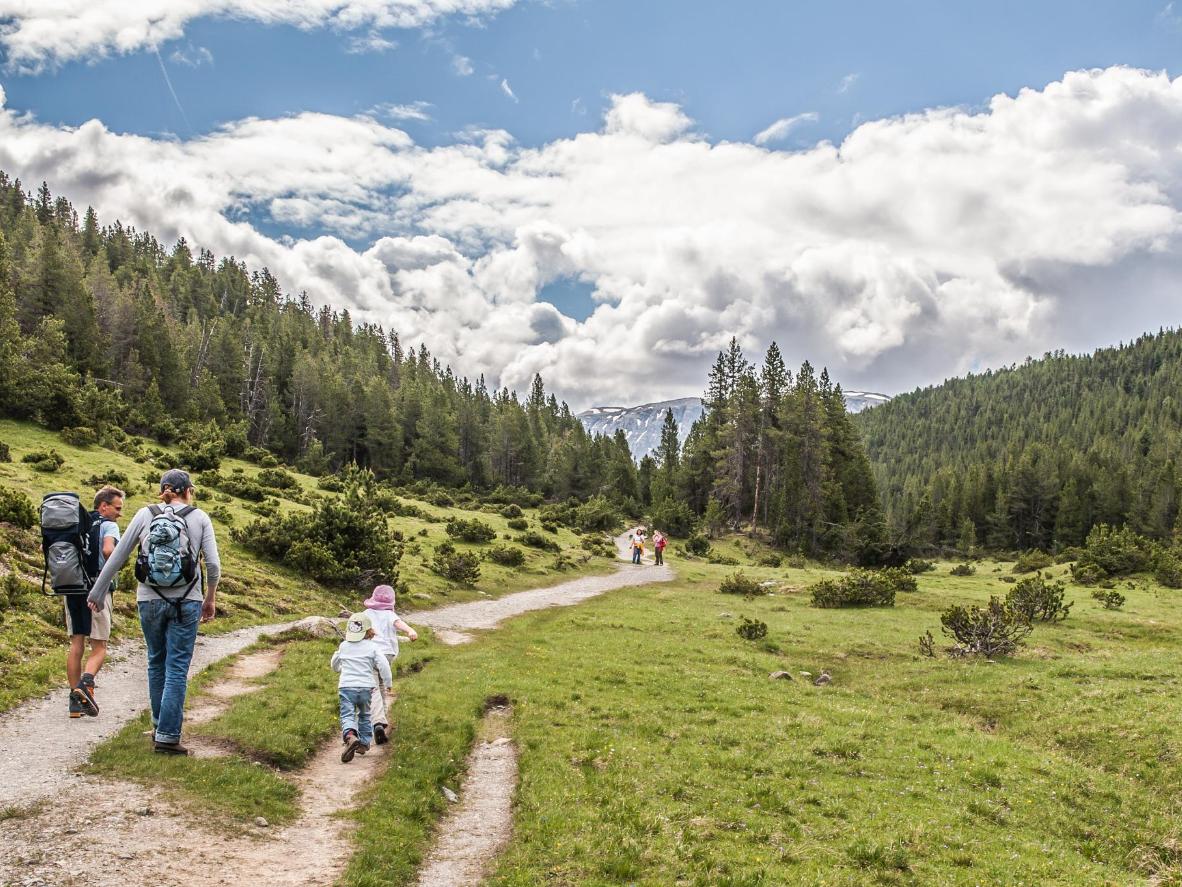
{"x": 253, "y": 591}
{"x": 655, "y": 750}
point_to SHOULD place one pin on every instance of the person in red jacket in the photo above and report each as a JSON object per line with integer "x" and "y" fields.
{"x": 659, "y": 543}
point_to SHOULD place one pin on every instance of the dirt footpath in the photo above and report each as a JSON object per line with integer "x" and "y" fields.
{"x": 107, "y": 833}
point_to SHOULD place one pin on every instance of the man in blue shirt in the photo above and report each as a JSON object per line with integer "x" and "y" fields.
{"x": 81, "y": 622}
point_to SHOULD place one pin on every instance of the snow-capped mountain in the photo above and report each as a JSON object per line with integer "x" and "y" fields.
{"x": 642, "y": 424}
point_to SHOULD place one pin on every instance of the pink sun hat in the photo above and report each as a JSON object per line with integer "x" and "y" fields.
{"x": 381, "y": 599}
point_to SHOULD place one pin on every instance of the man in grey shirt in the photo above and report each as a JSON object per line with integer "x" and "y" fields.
{"x": 169, "y": 616}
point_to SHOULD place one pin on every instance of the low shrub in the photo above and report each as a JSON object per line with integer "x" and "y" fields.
{"x": 456, "y": 566}
{"x": 858, "y": 588}
{"x": 1167, "y": 569}
{"x": 1031, "y": 561}
{"x": 901, "y": 578}
{"x": 751, "y": 629}
{"x": 1110, "y": 600}
{"x": 5, "y": 452}
{"x": 79, "y": 436}
{"x": 917, "y": 565}
{"x": 340, "y": 541}
{"x": 697, "y": 545}
{"x": 278, "y": 479}
{"x": 1087, "y": 573}
{"x": 441, "y": 499}
{"x": 1039, "y": 600}
{"x": 517, "y": 523}
{"x": 470, "y": 530}
{"x": 511, "y": 510}
{"x": 222, "y": 514}
{"x": 114, "y": 478}
{"x": 770, "y": 560}
{"x": 724, "y": 560}
{"x": 47, "y": 461}
{"x": 549, "y": 527}
{"x": 597, "y": 545}
{"x": 740, "y": 583}
{"x": 534, "y": 539}
{"x": 962, "y": 570}
{"x": 331, "y": 483}
{"x": 797, "y": 561}
{"x": 1069, "y": 554}
{"x": 17, "y": 509}
{"x": 993, "y": 630}
{"x": 506, "y": 555}
{"x": 1116, "y": 552}
{"x": 235, "y": 484}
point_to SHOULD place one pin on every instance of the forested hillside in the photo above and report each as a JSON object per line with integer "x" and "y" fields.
{"x": 104, "y": 331}
{"x": 103, "y": 327}
{"x": 1033, "y": 456}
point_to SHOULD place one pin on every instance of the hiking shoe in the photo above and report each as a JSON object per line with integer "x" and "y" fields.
{"x": 84, "y": 695}
{"x": 362, "y": 748}
{"x": 379, "y": 734}
{"x": 351, "y": 749}
{"x": 169, "y": 748}
{"x": 75, "y": 707}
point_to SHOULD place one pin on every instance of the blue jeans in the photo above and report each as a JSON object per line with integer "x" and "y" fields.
{"x": 635, "y": 555}
{"x": 354, "y": 703}
{"x": 170, "y": 641}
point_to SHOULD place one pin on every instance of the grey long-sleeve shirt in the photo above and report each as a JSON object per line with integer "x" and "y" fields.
{"x": 201, "y": 539}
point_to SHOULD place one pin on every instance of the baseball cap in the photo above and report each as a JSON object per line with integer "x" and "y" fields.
{"x": 357, "y": 626}
{"x": 177, "y": 479}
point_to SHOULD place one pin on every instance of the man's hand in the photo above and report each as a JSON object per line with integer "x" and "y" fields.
{"x": 94, "y": 608}
{"x": 208, "y": 609}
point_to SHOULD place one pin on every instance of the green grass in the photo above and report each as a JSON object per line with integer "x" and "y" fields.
{"x": 252, "y": 591}
{"x": 273, "y": 730}
{"x": 654, "y": 749}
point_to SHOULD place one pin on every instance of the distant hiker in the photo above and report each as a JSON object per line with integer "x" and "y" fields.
{"x": 379, "y": 607}
{"x": 172, "y": 538}
{"x": 637, "y": 545}
{"x": 357, "y": 658}
{"x": 83, "y": 624}
{"x": 659, "y": 543}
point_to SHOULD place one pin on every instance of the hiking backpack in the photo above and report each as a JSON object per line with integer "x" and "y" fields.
{"x": 166, "y": 559}
{"x": 65, "y": 542}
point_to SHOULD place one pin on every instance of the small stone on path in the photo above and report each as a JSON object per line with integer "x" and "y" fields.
{"x": 451, "y": 796}
{"x": 780, "y": 676}
{"x": 261, "y": 822}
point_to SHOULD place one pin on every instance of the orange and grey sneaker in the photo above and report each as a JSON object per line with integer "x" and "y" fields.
{"x": 84, "y": 695}
{"x": 75, "y": 707}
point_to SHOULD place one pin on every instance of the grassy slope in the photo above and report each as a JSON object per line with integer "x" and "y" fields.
{"x": 254, "y": 591}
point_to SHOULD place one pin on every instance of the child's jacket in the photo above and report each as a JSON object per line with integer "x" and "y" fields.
{"x": 357, "y": 661}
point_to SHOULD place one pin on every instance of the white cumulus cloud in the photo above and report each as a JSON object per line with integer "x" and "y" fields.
{"x": 37, "y": 33}
{"x": 922, "y": 246}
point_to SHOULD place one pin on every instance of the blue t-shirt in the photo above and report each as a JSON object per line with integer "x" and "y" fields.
{"x": 109, "y": 530}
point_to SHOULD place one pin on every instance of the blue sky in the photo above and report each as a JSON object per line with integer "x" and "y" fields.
{"x": 664, "y": 183}
{"x": 733, "y": 67}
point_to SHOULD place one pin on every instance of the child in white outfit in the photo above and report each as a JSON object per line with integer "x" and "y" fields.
{"x": 357, "y": 659}
{"x": 386, "y": 625}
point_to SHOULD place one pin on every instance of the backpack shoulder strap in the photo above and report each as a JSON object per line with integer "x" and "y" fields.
{"x": 155, "y": 510}
{"x": 187, "y": 510}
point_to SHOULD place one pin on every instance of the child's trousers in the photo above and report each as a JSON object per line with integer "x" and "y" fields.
{"x": 354, "y": 703}
{"x": 377, "y": 700}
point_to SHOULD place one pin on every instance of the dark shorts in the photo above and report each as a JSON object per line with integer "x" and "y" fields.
{"x": 78, "y": 614}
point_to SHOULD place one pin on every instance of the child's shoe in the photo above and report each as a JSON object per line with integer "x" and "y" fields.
{"x": 352, "y": 745}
